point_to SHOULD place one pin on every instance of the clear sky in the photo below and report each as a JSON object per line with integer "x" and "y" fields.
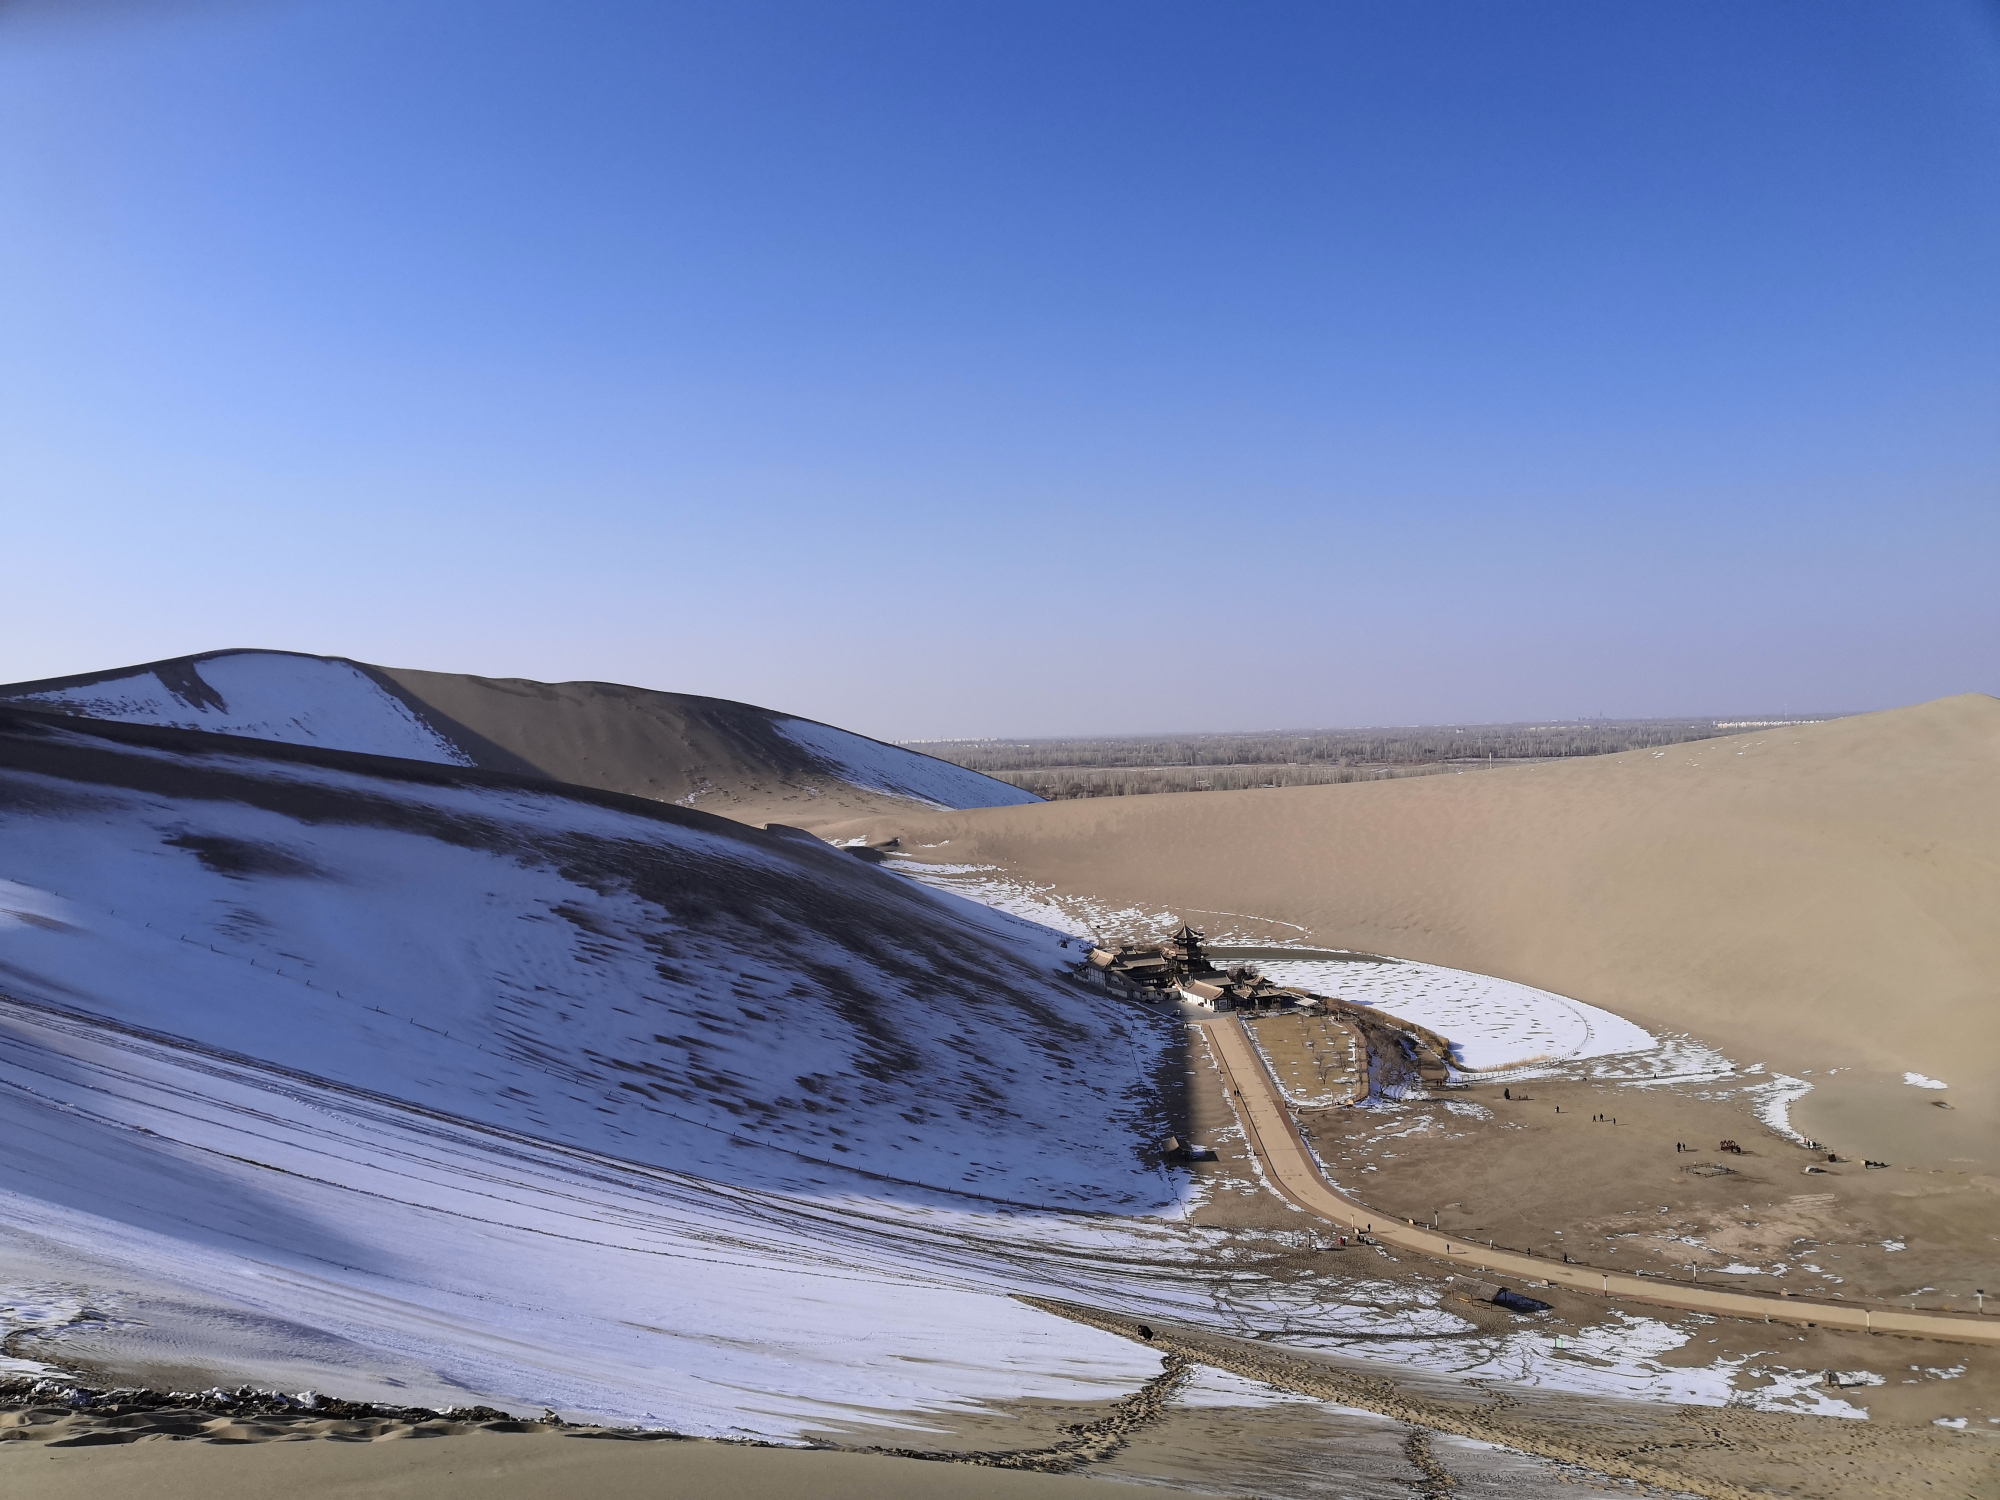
{"x": 966, "y": 368}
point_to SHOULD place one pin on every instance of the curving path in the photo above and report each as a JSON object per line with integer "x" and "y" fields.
{"x": 1291, "y": 1169}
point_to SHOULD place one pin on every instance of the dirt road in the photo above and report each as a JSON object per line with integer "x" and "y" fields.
{"x": 1274, "y": 1137}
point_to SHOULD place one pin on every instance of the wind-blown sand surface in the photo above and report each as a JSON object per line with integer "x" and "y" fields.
{"x": 1820, "y": 896}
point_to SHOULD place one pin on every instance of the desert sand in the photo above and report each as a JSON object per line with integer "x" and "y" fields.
{"x": 480, "y": 1466}
{"x": 1816, "y": 897}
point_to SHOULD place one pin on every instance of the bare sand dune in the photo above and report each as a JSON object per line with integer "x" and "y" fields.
{"x": 1815, "y": 897}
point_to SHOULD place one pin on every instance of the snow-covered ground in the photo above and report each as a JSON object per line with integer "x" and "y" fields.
{"x": 1624, "y": 1356}
{"x": 638, "y": 1117}
{"x": 1491, "y": 1023}
{"x": 1773, "y": 1101}
{"x": 896, "y": 772}
{"x": 265, "y": 695}
{"x": 508, "y": 1269}
{"x": 419, "y": 1090}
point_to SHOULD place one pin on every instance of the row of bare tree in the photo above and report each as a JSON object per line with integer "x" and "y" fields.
{"x": 1300, "y": 757}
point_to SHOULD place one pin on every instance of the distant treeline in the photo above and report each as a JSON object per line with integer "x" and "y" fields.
{"x": 1137, "y": 764}
{"x": 1055, "y": 786}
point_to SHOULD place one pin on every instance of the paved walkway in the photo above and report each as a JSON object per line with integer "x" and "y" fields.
{"x": 1274, "y": 1136}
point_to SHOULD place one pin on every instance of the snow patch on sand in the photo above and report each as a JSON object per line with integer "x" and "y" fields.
{"x": 1679, "y": 1058}
{"x": 1209, "y": 1386}
{"x": 1492, "y": 1024}
{"x": 1772, "y": 1103}
{"x": 1623, "y": 1357}
{"x": 1918, "y": 1081}
{"x": 896, "y": 772}
{"x": 40, "y": 1309}
{"x": 265, "y": 695}
{"x": 1075, "y": 916}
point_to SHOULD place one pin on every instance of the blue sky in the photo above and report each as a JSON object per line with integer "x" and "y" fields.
{"x": 997, "y": 369}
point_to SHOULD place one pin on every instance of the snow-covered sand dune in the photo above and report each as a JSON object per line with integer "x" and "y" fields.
{"x": 651, "y": 983}
{"x": 264, "y": 695}
{"x": 733, "y": 758}
{"x": 485, "y": 1265}
{"x": 896, "y": 772}
{"x": 559, "y": 1098}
